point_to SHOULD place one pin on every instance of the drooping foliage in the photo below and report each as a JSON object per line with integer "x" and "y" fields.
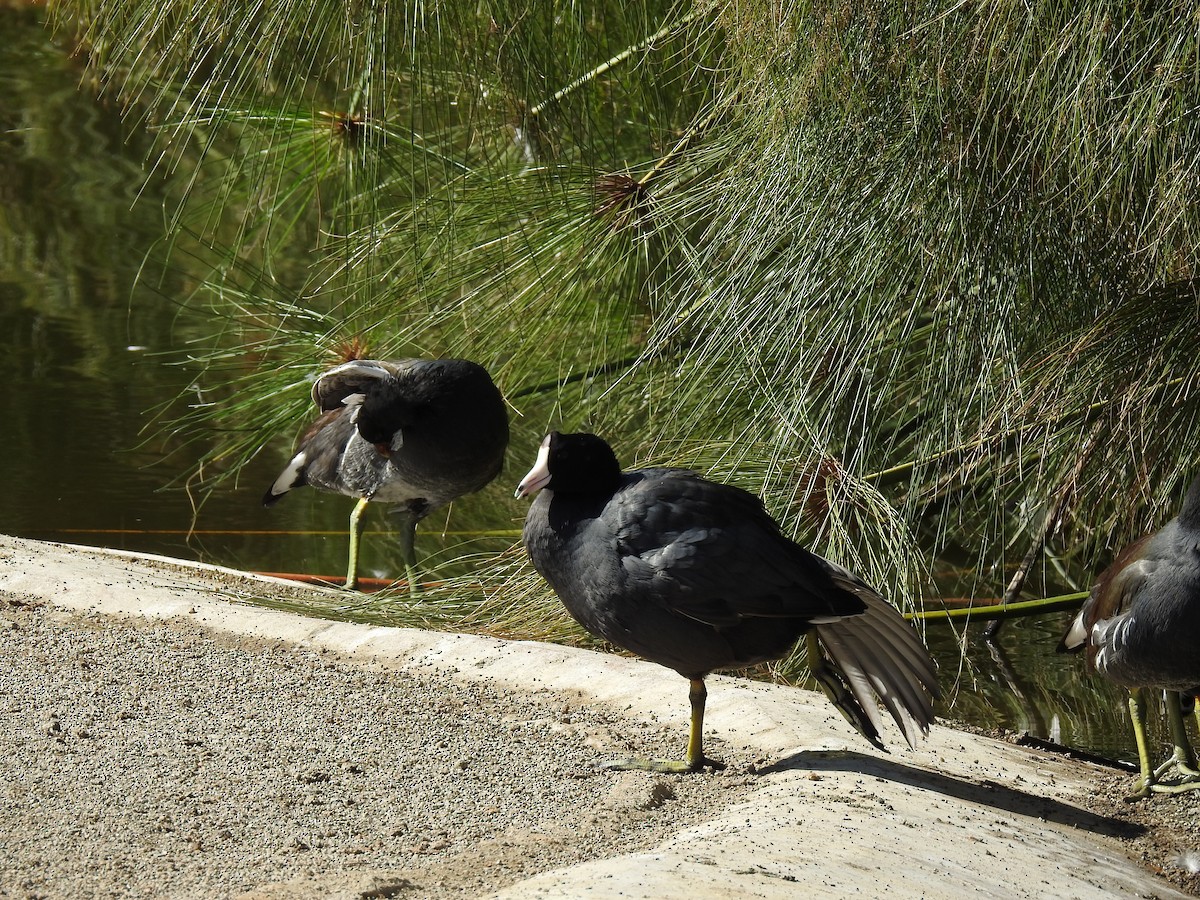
{"x": 925, "y": 275}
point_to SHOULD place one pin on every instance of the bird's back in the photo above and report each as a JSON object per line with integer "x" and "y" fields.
{"x": 459, "y": 434}
{"x": 1141, "y": 624}
{"x": 451, "y": 420}
{"x": 686, "y": 572}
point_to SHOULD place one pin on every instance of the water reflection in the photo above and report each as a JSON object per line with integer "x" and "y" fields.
{"x": 85, "y": 342}
{"x": 82, "y": 340}
{"x": 1020, "y": 683}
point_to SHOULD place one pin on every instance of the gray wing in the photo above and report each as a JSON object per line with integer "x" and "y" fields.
{"x": 1110, "y": 597}
{"x": 1147, "y": 614}
{"x": 710, "y": 552}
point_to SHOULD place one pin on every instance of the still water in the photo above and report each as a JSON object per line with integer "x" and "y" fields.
{"x": 90, "y": 373}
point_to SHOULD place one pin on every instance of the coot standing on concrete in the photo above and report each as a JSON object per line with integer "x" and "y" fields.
{"x": 413, "y": 433}
{"x": 696, "y": 576}
{"x": 1140, "y": 627}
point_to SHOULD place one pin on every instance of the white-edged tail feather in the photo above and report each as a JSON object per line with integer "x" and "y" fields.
{"x": 1076, "y": 635}
{"x": 292, "y": 476}
{"x": 881, "y": 659}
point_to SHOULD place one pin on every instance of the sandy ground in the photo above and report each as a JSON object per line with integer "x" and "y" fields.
{"x": 199, "y": 749}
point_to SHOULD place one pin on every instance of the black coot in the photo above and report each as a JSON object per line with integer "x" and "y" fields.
{"x": 696, "y": 576}
{"x": 1140, "y": 627}
{"x": 413, "y": 433}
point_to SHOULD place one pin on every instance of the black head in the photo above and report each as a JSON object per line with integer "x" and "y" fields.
{"x": 384, "y": 413}
{"x": 573, "y": 464}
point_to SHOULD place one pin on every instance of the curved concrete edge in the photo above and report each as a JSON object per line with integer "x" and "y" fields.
{"x": 963, "y": 814}
{"x": 854, "y": 835}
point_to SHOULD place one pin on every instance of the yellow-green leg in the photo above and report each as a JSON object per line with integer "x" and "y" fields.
{"x": 356, "y": 529}
{"x": 696, "y": 760}
{"x": 408, "y": 549}
{"x": 1182, "y": 756}
{"x": 697, "y": 696}
{"x": 1137, "y": 715}
{"x": 1182, "y": 759}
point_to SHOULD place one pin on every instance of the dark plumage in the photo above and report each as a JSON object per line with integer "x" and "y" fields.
{"x": 696, "y": 576}
{"x": 1140, "y": 627}
{"x": 414, "y": 433}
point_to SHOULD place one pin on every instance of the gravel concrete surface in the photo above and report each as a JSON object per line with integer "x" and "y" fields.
{"x": 147, "y": 759}
{"x": 158, "y": 740}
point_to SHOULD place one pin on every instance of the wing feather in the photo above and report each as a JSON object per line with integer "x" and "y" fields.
{"x": 736, "y": 565}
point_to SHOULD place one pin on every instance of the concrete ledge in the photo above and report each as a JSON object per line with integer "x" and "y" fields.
{"x": 833, "y": 817}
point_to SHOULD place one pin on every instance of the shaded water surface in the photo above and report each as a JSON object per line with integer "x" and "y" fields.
{"x": 86, "y": 355}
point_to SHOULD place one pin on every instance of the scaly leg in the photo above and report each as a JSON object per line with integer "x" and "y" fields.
{"x": 1182, "y": 758}
{"x": 408, "y": 548}
{"x": 697, "y": 696}
{"x": 696, "y": 760}
{"x": 1137, "y": 715}
{"x": 356, "y": 529}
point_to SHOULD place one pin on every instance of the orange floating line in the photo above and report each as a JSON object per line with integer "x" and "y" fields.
{"x": 249, "y": 531}
{"x": 183, "y": 531}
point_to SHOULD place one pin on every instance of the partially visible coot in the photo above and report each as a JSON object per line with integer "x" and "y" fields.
{"x": 696, "y": 576}
{"x": 413, "y": 433}
{"x": 1140, "y": 627}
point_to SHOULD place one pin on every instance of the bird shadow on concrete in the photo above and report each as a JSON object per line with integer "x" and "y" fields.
{"x": 985, "y": 793}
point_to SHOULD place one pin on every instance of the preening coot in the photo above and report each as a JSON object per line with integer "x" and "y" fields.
{"x": 413, "y": 433}
{"x": 696, "y": 576}
{"x": 1140, "y": 627}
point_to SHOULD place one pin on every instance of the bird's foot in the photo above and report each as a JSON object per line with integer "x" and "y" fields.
{"x": 1142, "y": 788}
{"x": 1175, "y": 787}
{"x": 1186, "y": 768}
{"x": 1188, "y": 780}
{"x": 664, "y": 766}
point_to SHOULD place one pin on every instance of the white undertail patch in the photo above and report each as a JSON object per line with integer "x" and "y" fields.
{"x": 1076, "y": 636}
{"x": 290, "y": 476}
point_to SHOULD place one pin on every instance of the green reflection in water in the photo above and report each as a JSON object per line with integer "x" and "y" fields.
{"x": 84, "y": 350}
{"x": 88, "y": 352}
